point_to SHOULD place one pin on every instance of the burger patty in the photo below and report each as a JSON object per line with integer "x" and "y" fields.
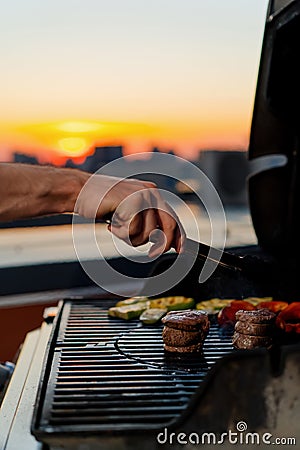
{"x": 260, "y": 316}
{"x": 196, "y": 348}
{"x": 247, "y": 341}
{"x": 254, "y": 329}
{"x": 188, "y": 320}
{"x": 181, "y": 338}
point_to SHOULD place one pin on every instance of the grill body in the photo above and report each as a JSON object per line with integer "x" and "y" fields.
{"x": 105, "y": 375}
{"x": 109, "y": 384}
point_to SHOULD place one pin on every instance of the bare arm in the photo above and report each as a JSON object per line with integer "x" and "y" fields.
{"x": 32, "y": 191}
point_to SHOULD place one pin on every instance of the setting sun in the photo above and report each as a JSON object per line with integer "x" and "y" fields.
{"x": 73, "y": 146}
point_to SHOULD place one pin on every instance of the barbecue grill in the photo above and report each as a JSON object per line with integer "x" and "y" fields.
{"x": 107, "y": 377}
{"x": 91, "y": 381}
{"x": 109, "y": 384}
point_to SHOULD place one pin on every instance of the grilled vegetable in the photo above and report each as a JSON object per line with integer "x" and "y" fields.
{"x": 132, "y": 301}
{"x": 128, "y": 312}
{"x": 255, "y": 301}
{"x": 213, "y": 305}
{"x": 273, "y": 306}
{"x": 153, "y": 315}
{"x": 289, "y": 319}
{"x": 172, "y": 303}
{"x": 227, "y": 314}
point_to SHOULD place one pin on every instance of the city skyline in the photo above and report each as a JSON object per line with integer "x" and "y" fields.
{"x": 178, "y": 75}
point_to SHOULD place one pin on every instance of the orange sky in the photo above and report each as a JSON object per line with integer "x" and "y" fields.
{"x": 57, "y": 141}
{"x": 177, "y": 75}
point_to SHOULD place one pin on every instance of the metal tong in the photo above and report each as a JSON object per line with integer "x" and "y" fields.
{"x": 249, "y": 265}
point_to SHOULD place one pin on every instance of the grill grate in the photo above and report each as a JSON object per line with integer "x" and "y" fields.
{"x": 111, "y": 375}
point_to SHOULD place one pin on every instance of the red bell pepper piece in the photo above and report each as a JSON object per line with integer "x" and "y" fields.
{"x": 227, "y": 314}
{"x": 289, "y": 319}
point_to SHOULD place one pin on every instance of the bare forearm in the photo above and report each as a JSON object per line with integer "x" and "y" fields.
{"x": 30, "y": 191}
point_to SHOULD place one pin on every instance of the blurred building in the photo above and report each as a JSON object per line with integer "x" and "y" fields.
{"x": 100, "y": 157}
{"x": 150, "y": 170}
{"x": 228, "y": 171}
{"x": 23, "y": 158}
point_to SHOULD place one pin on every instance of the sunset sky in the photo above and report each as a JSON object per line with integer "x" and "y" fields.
{"x": 179, "y": 74}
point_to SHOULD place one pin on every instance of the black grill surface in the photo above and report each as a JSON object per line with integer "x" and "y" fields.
{"x": 107, "y": 375}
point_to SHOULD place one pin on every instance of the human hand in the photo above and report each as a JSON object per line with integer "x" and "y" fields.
{"x": 137, "y": 211}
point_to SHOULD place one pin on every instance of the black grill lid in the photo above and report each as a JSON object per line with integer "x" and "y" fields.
{"x": 275, "y": 193}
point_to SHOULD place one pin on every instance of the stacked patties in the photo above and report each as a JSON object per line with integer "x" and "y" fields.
{"x": 185, "y": 331}
{"x": 254, "y": 329}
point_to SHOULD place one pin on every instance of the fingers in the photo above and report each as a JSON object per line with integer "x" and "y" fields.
{"x": 137, "y": 230}
{"x": 158, "y": 239}
{"x": 142, "y": 212}
{"x": 179, "y": 239}
{"x": 129, "y": 230}
{"x": 169, "y": 223}
{"x": 149, "y": 224}
{"x": 128, "y": 221}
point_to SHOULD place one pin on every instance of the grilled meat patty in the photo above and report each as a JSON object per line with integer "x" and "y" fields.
{"x": 181, "y": 338}
{"x": 261, "y": 316}
{"x": 254, "y": 329}
{"x": 185, "y": 331}
{"x": 196, "y": 348}
{"x": 187, "y": 320}
{"x": 247, "y": 341}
